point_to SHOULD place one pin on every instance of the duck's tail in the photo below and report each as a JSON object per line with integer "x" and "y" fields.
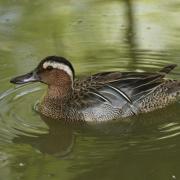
{"x": 173, "y": 89}
{"x": 168, "y": 68}
{"x": 172, "y": 86}
{"x": 167, "y": 93}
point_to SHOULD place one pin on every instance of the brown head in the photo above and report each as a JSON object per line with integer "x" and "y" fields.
{"x": 56, "y": 72}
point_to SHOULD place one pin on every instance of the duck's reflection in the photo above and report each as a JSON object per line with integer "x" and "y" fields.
{"x": 59, "y": 141}
{"x": 61, "y": 136}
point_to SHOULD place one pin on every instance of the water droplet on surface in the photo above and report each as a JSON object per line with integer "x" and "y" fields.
{"x": 21, "y": 164}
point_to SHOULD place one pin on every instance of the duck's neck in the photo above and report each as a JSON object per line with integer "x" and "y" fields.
{"x": 55, "y": 102}
{"x": 58, "y": 92}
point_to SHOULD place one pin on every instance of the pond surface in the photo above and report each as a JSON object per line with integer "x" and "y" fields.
{"x": 96, "y": 35}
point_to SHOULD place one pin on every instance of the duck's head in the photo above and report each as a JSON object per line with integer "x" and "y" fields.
{"x": 52, "y": 70}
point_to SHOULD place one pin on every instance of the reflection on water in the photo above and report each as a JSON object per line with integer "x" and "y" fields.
{"x": 83, "y": 150}
{"x": 59, "y": 140}
{"x": 96, "y": 35}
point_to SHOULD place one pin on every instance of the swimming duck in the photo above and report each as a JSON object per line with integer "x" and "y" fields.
{"x": 102, "y": 96}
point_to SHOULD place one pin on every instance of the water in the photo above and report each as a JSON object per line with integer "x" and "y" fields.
{"x": 96, "y": 35}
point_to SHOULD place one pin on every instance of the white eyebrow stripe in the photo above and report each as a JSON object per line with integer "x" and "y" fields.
{"x": 59, "y": 66}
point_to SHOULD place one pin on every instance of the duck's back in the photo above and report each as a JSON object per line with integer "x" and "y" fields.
{"x": 113, "y": 95}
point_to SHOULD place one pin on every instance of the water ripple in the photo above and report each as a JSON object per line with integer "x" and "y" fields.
{"x": 17, "y": 116}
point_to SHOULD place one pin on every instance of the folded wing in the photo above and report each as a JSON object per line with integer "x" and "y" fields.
{"x": 119, "y": 89}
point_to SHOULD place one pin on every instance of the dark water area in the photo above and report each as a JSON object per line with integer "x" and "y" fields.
{"x": 96, "y": 36}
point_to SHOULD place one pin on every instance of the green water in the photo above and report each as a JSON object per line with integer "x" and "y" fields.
{"x": 96, "y": 35}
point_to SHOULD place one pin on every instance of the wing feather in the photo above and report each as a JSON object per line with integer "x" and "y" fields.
{"x": 122, "y": 88}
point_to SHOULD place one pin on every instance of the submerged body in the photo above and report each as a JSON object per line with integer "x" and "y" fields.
{"x": 100, "y": 97}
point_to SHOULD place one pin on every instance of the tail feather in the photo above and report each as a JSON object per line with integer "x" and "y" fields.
{"x": 168, "y": 68}
{"x": 173, "y": 88}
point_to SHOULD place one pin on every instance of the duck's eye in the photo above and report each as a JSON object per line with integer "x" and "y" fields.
{"x": 49, "y": 68}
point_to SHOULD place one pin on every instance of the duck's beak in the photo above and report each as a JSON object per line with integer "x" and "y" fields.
{"x": 29, "y": 77}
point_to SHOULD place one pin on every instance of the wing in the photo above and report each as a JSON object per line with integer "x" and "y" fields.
{"x": 119, "y": 89}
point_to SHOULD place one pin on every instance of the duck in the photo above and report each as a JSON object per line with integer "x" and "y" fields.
{"x": 103, "y": 96}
